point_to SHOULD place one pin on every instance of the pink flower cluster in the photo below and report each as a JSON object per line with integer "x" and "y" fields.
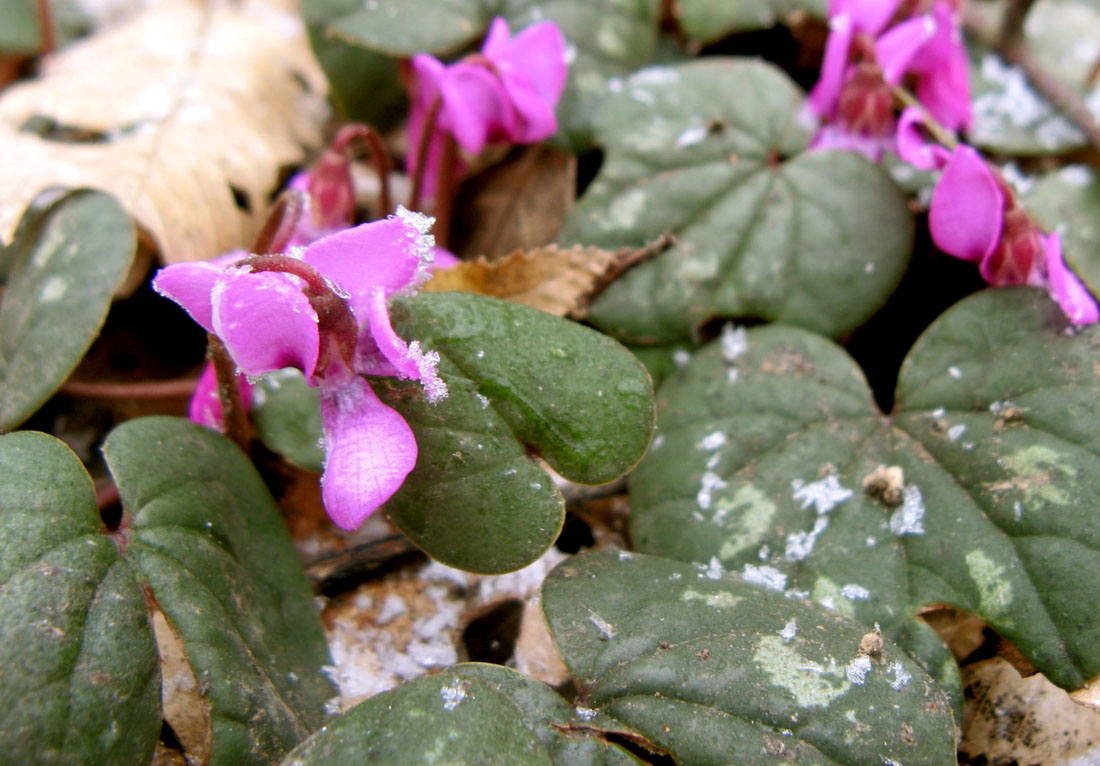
{"x": 865, "y": 58}
{"x": 323, "y": 310}
{"x": 507, "y": 92}
{"x": 974, "y": 215}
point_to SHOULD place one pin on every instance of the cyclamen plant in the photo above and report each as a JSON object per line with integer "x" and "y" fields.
{"x": 323, "y": 310}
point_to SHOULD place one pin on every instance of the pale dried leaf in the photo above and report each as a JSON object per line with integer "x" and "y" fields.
{"x": 559, "y": 281}
{"x": 1025, "y": 720}
{"x": 171, "y": 111}
{"x": 519, "y": 203}
{"x": 536, "y": 653}
{"x": 185, "y": 709}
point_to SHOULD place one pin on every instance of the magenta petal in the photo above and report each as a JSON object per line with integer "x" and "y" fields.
{"x": 386, "y": 254}
{"x": 1074, "y": 298}
{"x": 967, "y": 208}
{"x": 369, "y": 450}
{"x": 536, "y": 118}
{"x": 896, "y": 49}
{"x": 871, "y": 16}
{"x": 408, "y": 360}
{"x": 497, "y": 38}
{"x": 205, "y": 407}
{"x": 913, "y": 148}
{"x": 191, "y": 285}
{"x": 825, "y": 94}
{"x": 536, "y": 58}
{"x": 266, "y": 323}
{"x": 475, "y": 103}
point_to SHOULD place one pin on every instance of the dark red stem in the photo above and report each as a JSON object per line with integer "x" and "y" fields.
{"x": 281, "y": 222}
{"x": 422, "y": 152}
{"x": 379, "y": 154}
{"x": 234, "y": 414}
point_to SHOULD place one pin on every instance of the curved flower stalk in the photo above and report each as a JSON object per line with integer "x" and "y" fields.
{"x": 324, "y": 311}
{"x": 507, "y": 92}
{"x": 863, "y": 62}
{"x": 974, "y": 215}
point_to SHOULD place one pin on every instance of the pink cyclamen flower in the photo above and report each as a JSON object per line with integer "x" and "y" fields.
{"x": 324, "y": 311}
{"x": 862, "y": 63}
{"x": 508, "y": 92}
{"x": 974, "y": 215}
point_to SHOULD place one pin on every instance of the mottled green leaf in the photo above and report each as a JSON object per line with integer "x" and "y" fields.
{"x": 210, "y": 541}
{"x": 521, "y": 382}
{"x": 447, "y": 718}
{"x": 77, "y": 657}
{"x": 769, "y": 437}
{"x": 710, "y": 150}
{"x": 719, "y": 670}
{"x": 610, "y": 37}
{"x": 1010, "y": 117}
{"x": 1068, "y": 201}
{"x": 64, "y": 270}
{"x": 287, "y": 414}
{"x": 711, "y": 20}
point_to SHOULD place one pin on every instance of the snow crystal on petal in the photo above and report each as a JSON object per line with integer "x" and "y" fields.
{"x": 426, "y": 362}
{"x": 425, "y": 242}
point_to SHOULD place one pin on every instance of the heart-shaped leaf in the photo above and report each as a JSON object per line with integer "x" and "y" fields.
{"x": 611, "y": 37}
{"x": 1068, "y": 200}
{"x": 979, "y": 491}
{"x": 520, "y": 382}
{"x": 66, "y": 264}
{"x": 474, "y": 714}
{"x": 710, "y": 150}
{"x": 209, "y": 540}
{"x": 1010, "y": 117}
{"x": 718, "y": 670}
{"x": 711, "y": 20}
{"x": 202, "y": 542}
{"x": 77, "y": 656}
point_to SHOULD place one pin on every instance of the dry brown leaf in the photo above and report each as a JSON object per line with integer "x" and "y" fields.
{"x": 559, "y": 281}
{"x": 176, "y": 112}
{"x": 185, "y": 709}
{"x": 517, "y": 204}
{"x": 1010, "y": 719}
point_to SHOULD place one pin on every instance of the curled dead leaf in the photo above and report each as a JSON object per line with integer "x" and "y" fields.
{"x": 186, "y": 112}
{"x": 184, "y": 708}
{"x": 559, "y": 281}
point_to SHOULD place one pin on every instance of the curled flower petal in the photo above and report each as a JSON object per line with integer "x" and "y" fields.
{"x": 266, "y": 323}
{"x": 869, "y": 16}
{"x": 191, "y": 284}
{"x": 386, "y": 254}
{"x": 395, "y": 357}
{"x": 1074, "y": 298}
{"x": 369, "y": 450}
{"x": 205, "y": 407}
{"x": 476, "y": 106}
{"x": 921, "y": 154}
{"x": 944, "y": 83}
{"x": 896, "y": 48}
{"x": 825, "y": 94}
{"x": 967, "y": 209}
{"x": 533, "y": 72}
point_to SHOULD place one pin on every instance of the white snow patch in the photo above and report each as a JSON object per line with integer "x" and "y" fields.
{"x": 790, "y": 630}
{"x": 901, "y": 678}
{"x": 769, "y": 577}
{"x": 955, "y": 432}
{"x": 393, "y": 607}
{"x": 1076, "y": 175}
{"x": 801, "y": 544}
{"x": 954, "y": 372}
{"x": 712, "y": 441}
{"x": 452, "y": 695}
{"x": 858, "y": 669}
{"x": 714, "y": 570}
{"x": 734, "y": 342}
{"x": 691, "y": 136}
{"x": 710, "y": 482}
{"x": 909, "y": 519}
{"x": 854, "y": 592}
{"x": 824, "y": 495}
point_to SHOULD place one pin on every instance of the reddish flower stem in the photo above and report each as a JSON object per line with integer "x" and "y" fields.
{"x": 281, "y": 223}
{"x": 157, "y": 389}
{"x": 381, "y": 157}
{"x": 445, "y": 187}
{"x": 422, "y": 152}
{"x": 237, "y": 426}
